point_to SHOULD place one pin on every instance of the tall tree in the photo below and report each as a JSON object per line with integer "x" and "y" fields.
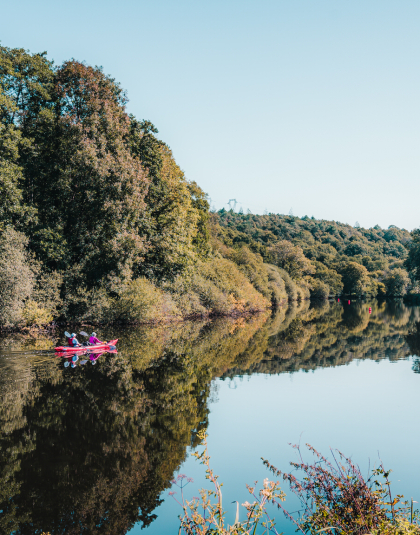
{"x": 88, "y": 186}
{"x": 355, "y": 278}
{"x": 177, "y": 210}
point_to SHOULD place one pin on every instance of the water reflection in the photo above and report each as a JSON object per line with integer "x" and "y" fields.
{"x": 90, "y": 449}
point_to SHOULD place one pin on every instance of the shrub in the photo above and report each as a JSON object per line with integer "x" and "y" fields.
{"x": 335, "y": 495}
{"x": 335, "y": 499}
{"x": 32, "y": 314}
{"x": 212, "y": 517}
{"x": 140, "y": 301}
{"x": 228, "y": 279}
{"x": 319, "y": 290}
{"x": 303, "y": 289}
{"x": 253, "y": 267}
{"x": 216, "y": 286}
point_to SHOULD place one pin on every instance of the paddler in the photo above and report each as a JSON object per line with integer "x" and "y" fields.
{"x": 93, "y": 340}
{"x": 72, "y": 341}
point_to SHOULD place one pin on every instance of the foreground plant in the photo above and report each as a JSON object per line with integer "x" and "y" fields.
{"x": 336, "y": 498}
{"x": 205, "y": 515}
{"x": 334, "y": 495}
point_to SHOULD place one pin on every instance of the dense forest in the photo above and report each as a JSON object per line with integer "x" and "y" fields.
{"x": 98, "y": 223}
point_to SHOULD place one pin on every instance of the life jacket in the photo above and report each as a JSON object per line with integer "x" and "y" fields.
{"x": 70, "y": 341}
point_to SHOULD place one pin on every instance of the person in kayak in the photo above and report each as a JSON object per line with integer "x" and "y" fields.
{"x": 72, "y": 341}
{"x": 93, "y": 340}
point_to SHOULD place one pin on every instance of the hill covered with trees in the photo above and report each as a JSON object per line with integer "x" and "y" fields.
{"x": 99, "y": 223}
{"x": 327, "y": 257}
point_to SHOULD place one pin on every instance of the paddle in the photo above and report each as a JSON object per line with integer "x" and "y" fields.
{"x": 68, "y": 335}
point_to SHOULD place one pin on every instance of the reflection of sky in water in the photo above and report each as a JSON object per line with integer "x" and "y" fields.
{"x": 127, "y": 421}
{"x": 363, "y": 408}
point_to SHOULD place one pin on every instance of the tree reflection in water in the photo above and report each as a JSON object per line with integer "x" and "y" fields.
{"x": 90, "y": 450}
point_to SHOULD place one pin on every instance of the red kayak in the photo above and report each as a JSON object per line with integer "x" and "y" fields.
{"x": 68, "y": 354}
{"x": 68, "y": 349}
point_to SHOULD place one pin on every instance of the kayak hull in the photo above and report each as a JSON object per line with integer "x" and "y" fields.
{"x": 67, "y": 349}
{"x": 69, "y": 354}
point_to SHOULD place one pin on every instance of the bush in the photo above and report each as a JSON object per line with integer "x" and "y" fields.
{"x": 319, "y": 290}
{"x": 141, "y": 301}
{"x": 228, "y": 279}
{"x": 216, "y": 286}
{"x": 335, "y": 497}
{"x": 253, "y": 267}
{"x": 303, "y": 289}
{"x": 32, "y": 314}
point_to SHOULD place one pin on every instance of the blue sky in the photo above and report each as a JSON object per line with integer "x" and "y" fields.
{"x": 302, "y": 104}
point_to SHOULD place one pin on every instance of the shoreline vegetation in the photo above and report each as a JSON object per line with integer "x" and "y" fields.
{"x": 99, "y": 225}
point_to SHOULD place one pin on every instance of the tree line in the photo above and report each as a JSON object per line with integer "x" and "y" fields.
{"x": 99, "y": 223}
{"x": 327, "y": 257}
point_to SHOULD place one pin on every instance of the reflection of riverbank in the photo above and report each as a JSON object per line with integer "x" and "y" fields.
{"x": 95, "y": 445}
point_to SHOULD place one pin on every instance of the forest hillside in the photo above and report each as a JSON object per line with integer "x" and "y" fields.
{"x": 98, "y": 223}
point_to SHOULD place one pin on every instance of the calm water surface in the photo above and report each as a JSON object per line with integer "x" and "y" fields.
{"x": 94, "y": 449}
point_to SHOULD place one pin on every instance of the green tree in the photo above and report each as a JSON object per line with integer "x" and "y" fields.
{"x": 87, "y": 185}
{"x": 25, "y": 84}
{"x": 412, "y": 263}
{"x": 177, "y": 211}
{"x": 13, "y": 210}
{"x": 355, "y": 278}
{"x": 329, "y": 277}
{"x": 396, "y": 282}
{"x": 291, "y": 258}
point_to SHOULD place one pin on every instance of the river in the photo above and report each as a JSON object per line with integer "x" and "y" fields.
{"x": 94, "y": 449}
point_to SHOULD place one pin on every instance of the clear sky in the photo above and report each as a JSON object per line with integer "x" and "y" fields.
{"x": 302, "y": 104}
